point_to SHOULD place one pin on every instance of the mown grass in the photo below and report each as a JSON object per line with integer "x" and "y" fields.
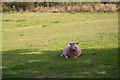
{"x": 33, "y": 42}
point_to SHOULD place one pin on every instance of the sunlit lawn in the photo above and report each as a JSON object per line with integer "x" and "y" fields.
{"x": 33, "y": 42}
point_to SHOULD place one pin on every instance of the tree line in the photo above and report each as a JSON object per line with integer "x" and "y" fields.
{"x": 59, "y": 6}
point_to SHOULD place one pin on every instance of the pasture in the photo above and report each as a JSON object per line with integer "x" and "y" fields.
{"x": 32, "y": 43}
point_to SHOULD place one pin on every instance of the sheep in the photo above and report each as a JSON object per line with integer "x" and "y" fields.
{"x": 71, "y": 50}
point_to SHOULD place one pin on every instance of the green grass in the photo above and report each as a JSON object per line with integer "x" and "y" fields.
{"x": 33, "y": 42}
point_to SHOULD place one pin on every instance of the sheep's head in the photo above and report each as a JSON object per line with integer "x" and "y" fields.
{"x": 73, "y": 45}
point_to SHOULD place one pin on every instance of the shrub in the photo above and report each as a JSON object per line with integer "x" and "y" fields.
{"x": 59, "y": 7}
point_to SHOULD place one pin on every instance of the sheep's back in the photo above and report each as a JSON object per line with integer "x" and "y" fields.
{"x": 66, "y": 49}
{"x": 79, "y": 51}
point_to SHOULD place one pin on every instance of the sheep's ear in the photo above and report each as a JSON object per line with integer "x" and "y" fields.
{"x": 77, "y": 43}
{"x": 70, "y": 43}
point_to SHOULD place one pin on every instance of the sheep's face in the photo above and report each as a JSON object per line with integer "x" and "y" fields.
{"x": 73, "y": 45}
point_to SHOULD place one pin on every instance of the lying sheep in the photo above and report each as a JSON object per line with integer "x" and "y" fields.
{"x": 71, "y": 50}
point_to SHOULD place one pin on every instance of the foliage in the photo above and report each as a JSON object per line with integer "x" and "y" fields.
{"x": 6, "y": 7}
{"x": 30, "y": 6}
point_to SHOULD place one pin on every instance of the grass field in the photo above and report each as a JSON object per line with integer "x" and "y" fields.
{"x": 33, "y": 42}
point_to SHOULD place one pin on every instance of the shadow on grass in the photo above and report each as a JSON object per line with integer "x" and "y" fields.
{"x": 57, "y": 53}
{"x": 48, "y": 63}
